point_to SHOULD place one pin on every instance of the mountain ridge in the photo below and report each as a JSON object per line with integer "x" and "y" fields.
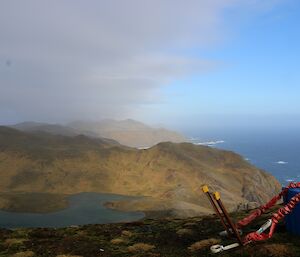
{"x": 127, "y": 132}
{"x": 169, "y": 175}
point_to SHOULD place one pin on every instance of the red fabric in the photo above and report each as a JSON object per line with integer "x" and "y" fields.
{"x": 259, "y": 237}
{"x": 276, "y": 217}
{"x": 248, "y": 219}
{"x": 262, "y": 209}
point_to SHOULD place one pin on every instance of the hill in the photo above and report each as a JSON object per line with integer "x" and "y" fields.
{"x": 55, "y": 129}
{"x": 168, "y": 175}
{"x": 127, "y": 132}
{"x": 190, "y": 237}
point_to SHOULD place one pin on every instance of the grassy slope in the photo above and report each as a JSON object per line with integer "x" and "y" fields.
{"x": 128, "y": 132}
{"x": 160, "y": 238}
{"x": 32, "y": 202}
{"x": 171, "y": 174}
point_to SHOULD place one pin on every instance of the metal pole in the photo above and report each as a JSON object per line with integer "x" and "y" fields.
{"x": 231, "y": 224}
{"x": 216, "y": 209}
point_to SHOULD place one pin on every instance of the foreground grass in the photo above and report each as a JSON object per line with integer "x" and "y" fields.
{"x": 149, "y": 238}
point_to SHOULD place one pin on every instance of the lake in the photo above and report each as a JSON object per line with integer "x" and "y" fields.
{"x": 84, "y": 208}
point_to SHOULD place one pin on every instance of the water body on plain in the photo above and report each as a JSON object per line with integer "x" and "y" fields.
{"x": 84, "y": 208}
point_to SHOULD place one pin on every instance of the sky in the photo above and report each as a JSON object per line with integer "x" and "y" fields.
{"x": 197, "y": 64}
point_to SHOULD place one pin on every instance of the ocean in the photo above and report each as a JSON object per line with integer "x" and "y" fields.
{"x": 277, "y": 152}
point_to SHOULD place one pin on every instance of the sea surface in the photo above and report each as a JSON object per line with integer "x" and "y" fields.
{"x": 84, "y": 208}
{"x": 277, "y": 152}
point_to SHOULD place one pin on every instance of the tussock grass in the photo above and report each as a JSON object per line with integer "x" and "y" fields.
{"x": 276, "y": 250}
{"x": 127, "y": 233}
{"x": 13, "y": 241}
{"x": 24, "y": 254}
{"x": 150, "y": 238}
{"x": 68, "y": 255}
{"x": 117, "y": 241}
{"x": 184, "y": 232}
{"x": 203, "y": 244}
{"x": 140, "y": 247}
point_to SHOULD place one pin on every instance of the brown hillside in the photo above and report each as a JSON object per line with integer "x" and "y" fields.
{"x": 169, "y": 175}
{"x": 128, "y": 132}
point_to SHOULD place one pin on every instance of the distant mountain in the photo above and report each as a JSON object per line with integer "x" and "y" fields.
{"x": 55, "y": 129}
{"x": 127, "y": 132}
{"x": 169, "y": 175}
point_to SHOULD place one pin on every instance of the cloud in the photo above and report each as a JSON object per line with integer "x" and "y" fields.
{"x": 99, "y": 58}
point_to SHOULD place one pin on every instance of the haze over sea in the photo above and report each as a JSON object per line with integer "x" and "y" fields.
{"x": 277, "y": 152}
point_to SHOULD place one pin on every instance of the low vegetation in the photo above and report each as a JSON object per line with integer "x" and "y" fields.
{"x": 203, "y": 244}
{"x": 140, "y": 248}
{"x": 147, "y": 238}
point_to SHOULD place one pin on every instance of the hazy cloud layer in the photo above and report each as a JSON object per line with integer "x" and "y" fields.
{"x": 63, "y": 60}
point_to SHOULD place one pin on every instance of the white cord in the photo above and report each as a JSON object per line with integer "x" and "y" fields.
{"x": 221, "y": 248}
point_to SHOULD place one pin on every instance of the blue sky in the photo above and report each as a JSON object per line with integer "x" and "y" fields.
{"x": 257, "y": 81}
{"x": 202, "y": 64}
